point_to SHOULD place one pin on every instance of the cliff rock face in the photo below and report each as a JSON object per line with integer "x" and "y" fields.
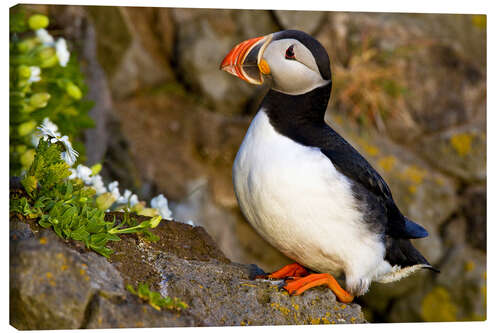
{"x": 61, "y": 285}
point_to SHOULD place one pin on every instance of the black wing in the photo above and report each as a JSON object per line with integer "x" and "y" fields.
{"x": 350, "y": 162}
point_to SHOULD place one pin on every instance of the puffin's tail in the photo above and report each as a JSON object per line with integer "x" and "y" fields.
{"x": 404, "y": 258}
{"x": 400, "y": 252}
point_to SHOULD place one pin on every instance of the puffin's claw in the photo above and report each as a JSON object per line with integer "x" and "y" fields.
{"x": 289, "y": 271}
{"x": 298, "y": 286}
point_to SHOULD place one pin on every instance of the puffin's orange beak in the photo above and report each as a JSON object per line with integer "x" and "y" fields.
{"x": 245, "y": 60}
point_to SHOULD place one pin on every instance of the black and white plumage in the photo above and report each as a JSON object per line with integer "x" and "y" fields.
{"x": 304, "y": 188}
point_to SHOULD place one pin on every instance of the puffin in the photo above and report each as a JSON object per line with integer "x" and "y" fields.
{"x": 303, "y": 187}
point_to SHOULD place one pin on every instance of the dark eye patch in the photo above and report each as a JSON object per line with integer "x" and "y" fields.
{"x": 289, "y": 54}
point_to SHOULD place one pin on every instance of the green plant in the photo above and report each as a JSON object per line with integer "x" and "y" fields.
{"x": 68, "y": 206}
{"x": 155, "y": 299}
{"x": 45, "y": 82}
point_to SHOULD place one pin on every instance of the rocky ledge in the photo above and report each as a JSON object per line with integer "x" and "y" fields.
{"x": 57, "y": 284}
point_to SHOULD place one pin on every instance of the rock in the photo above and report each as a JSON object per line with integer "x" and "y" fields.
{"x": 127, "y": 48}
{"x": 56, "y": 284}
{"x": 457, "y": 294}
{"x": 131, "y": 313}
{"x": 307, "y": 21}
{"x": 51, "y": 285}
{"x": 474, "y": 207}
{"x": 461, "y": 151}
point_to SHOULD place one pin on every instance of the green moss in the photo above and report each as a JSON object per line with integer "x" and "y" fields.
{"x": 155, "y": 299}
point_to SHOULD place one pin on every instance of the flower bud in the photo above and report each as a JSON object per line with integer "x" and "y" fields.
{"x": 138, "y": 207}
{"x": 46, "y": 53}
{"x": 28, "y": 157}
{"x": 96, "y": 168}
{"x": 153, "y": 223}
{"x": 105, "y": 200}
{"x": 21, "y": 149}
{"x": 38, "y": 21}
{"x": 27, "y": 108}
{"x": 26, "y": 128}
{"x": 39, "y": 100}
{"x": 27, "y": 45}
{"x": 73, "y": 90}
{"x": 148, "y": 212}
{"x": 24, "y": 72}
{"x": 47, "y": 57}
{"x": 50, "y": 62}
{"x": 70, "y": 111}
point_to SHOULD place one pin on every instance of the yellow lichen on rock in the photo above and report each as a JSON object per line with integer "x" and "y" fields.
{"x": 285, "y": 311}
{"x": 315, "y": 321}
{"x": 469, "y": 266}
{"x": 438, "y": 306}
{"x": 414, "y": 174}
{"x": 387, "y": 163}
{"x": 462, "y": 143}
{"x": 371, "y": 150}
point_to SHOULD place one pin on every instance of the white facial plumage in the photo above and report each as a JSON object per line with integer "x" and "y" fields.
{"x": 292, "y": 76}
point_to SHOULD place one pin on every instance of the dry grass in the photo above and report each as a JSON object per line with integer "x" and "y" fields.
{"x": 370, "y": 86}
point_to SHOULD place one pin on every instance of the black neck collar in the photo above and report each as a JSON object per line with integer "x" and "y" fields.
{"x": 297, "y": 116}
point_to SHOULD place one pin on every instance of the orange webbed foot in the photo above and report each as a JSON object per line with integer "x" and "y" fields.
{"x": 298, "y": 286}
{"x": 289, "y": 271}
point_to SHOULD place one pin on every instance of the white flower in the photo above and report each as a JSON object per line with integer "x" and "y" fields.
{"x": 50, "y": 125}
{"x": 48, "y": 129}
{"x": 134, "y": 200}
{"x": 83, "y": 172}
{"x": 124, "y": 198}
{"x": 98, "y": 184}
{"x": 60, "y": 45}
{"x": 35, "y": 74}
{"x": 44, "y": 37}
{"x": 69, "y": 155}
{"x": 161, "y": 203}
{"x": 113, "y": 188}
{"x": 62, "y": 52}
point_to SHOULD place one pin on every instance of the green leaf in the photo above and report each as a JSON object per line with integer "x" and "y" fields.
{"x": 29, "y": 183}
{"x": 80, "y": 234}
{"x": 114, "y": 238}
{"x": 44, "y": 222}
{"x": 102, "y": 250}
{"x": 99, "y": 239}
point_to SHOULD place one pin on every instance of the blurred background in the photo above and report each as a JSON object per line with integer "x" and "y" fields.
{"x": 409, "y": 93}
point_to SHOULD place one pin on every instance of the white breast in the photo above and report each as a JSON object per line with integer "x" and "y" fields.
{"x": 296, "y": 199}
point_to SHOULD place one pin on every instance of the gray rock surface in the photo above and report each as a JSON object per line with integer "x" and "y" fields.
{"x": 61, "y": 285}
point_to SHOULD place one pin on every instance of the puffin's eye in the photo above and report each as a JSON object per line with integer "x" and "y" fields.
{"x": 289, "y": 54}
